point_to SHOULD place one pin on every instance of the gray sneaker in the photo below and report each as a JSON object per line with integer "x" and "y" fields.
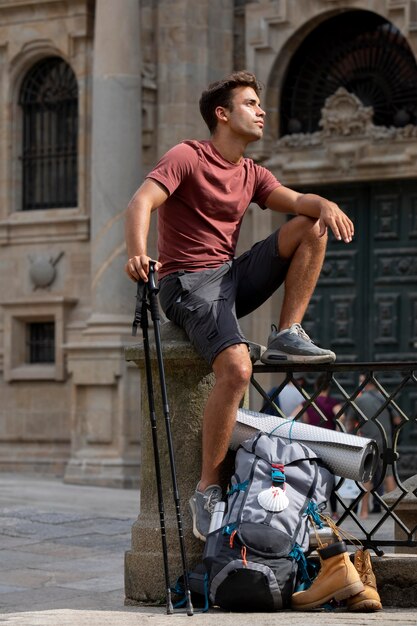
{"x": 293, "y": 345}
{"x": 202, "y": 507}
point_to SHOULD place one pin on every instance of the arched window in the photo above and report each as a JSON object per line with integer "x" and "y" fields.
{"x": 357, "y": 50}
{"x": 49, "y": 102}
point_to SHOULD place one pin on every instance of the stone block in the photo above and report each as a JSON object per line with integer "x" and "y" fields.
{"x": 404, "y": 504}
{"x": 397, "y": 580}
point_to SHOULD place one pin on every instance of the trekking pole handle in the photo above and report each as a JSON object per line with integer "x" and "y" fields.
{"x": 139, "y": 319}
{"x": 153, "y": 291}
{"x": 151, "y": 277}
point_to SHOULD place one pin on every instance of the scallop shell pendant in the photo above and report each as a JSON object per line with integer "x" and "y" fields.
{"x": 273, "y": 499}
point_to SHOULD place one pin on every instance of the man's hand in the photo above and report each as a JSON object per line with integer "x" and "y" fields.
{"x": 334, "y": 218}
{"x": 137, "y": 267}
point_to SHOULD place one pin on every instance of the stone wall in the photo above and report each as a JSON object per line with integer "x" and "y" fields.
{"x": 35, "y": 425}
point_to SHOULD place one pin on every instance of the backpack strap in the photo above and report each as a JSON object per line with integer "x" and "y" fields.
{"x": 255, "y": 442}
{"x": 308, "y": 496}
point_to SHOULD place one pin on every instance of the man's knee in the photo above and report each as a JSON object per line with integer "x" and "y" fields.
{"x": 304, "y": 226}
{"x": 317, "y": 237}
{"x": 301, "y": 229}
{"x": 233, "y": 368}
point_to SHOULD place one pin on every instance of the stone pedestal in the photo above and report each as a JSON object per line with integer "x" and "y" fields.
{"x": 406, "y": 510}
{"x": 189, "y": 382}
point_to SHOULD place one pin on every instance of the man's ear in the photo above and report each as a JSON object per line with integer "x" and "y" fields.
{"x": 221, "y": 114}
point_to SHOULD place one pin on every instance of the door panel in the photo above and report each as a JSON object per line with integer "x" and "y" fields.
{"x": 394, "y": 271}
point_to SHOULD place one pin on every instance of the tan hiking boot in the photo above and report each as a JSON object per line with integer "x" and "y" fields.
{"x": 367, "y": 600}
{"x": 336, "y": 579}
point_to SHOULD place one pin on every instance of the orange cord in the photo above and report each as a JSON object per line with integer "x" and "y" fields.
{"x": 243, "y": 553}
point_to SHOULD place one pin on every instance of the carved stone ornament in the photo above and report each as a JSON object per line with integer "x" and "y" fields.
{"x": 344, "y": 115}
{"x": 42, "y": 270}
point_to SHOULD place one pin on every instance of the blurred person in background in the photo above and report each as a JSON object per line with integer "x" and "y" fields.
{"x": 288, "y": 399}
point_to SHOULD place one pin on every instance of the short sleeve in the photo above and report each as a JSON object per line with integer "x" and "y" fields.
{"x": 176, "y": 164}
{"x": 265, "y": 185}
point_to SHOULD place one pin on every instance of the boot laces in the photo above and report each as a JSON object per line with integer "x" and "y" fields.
{"x": 364, "y": 568}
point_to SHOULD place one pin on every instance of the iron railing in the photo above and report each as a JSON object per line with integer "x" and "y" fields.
{"x": 395, "y": 387}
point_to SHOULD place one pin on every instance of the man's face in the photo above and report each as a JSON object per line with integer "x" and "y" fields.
{"x": 245, "y": 117}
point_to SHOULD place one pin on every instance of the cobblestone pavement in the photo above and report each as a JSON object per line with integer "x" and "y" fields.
{"x": 61, "y": 563}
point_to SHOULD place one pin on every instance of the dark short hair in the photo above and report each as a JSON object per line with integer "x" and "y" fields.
{"x": 220, "y": 94}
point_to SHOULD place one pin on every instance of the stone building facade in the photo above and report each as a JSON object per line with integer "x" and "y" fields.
{"x": 92, "y": 93}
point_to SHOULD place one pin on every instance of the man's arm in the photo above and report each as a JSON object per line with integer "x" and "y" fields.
{"x": 148, "y": 197}
{"x": 285, "y": 200}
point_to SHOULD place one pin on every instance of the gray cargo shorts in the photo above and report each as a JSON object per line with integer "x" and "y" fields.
{"x": 208, "y": 303}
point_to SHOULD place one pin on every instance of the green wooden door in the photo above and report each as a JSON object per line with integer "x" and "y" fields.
{"x": 365, "y": 304}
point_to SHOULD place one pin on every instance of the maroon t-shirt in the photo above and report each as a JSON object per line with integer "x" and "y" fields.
{"x": 198, "y": 225}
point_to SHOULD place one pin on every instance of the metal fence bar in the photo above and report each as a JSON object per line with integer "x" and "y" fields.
{"x": 395, "y": 385}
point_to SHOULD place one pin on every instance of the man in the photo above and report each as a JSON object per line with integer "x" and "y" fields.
{"x": 202, "y": 190}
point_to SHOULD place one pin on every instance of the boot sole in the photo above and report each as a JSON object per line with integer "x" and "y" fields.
{"x": 342, "y": 594}
{"x": 365, "y": 605}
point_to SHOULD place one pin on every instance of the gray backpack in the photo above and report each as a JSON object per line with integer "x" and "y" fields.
{"x": 252, "y": 560}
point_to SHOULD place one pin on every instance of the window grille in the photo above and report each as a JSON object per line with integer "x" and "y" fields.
{"x": 49, "y": 102}
{"x": 357, "y": 50}
{"x": 41, "y": 342}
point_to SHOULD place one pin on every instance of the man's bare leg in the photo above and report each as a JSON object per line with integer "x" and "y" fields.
{"x": 299, "y": 241}
{"x": 232, "y": 369}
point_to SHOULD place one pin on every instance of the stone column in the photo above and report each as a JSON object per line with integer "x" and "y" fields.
{"x": 104, "y": 448}
{"x": 116, "y": 153}
{"x": 195, "y": 47}
{"x": 189, "y": 382}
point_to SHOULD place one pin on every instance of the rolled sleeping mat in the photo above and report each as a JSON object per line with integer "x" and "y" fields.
{"x": 345, "y": 455}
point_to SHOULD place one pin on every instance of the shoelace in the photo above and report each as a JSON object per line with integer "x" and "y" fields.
{"x": 299, "y": 330}
{"x": 365, "y": 571}
{"x": 211, "y": 500}
{"x": 366, "y": 579}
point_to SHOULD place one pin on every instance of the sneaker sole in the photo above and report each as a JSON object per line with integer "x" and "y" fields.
{"x": 196, "y": 532}
{"x": 272, "y": 358}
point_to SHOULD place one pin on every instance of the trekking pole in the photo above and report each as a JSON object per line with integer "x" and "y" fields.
{"x": 147, "y": 299}
{"x": 141, "y": 318}
{"x": 154, "y": 309}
